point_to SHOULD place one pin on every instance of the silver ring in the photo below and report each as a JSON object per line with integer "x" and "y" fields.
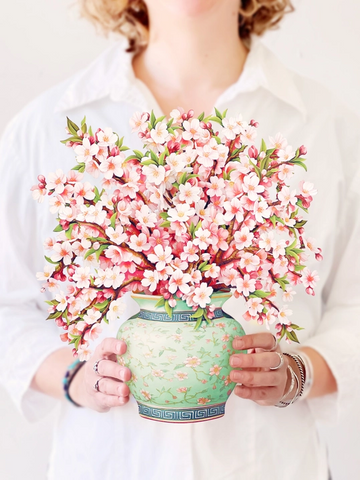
{"x": 96, "y": 367}
{"x": 275, "y": 345}
{"x": 281, "y": 356}
{"x": 96, "y": 386}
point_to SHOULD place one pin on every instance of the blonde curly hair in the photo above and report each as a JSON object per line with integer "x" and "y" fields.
{"x": 130, "y": 18}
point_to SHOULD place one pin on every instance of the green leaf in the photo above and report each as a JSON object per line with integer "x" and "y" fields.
{"x": 152, "y": 119}
{"x": 98, "y": 239}
{"x": 154, "y": 157}
{"x": 102, "y": 305}
{"x": 113, "y": 220}
{"x": 215, "y": 119}
{"x": 80, "y": 167}
{"x": 218, "y": 114}
{"x": 162, "y": 159}
{"x": 202, "y": 265}
{"x": 198, "y": 314}
{"x": 161, "y": 352}
{"x": 263, "y": 146}
{"x": 54, "y": 315}
{"x": 271, "y": 171}
{"x": 123, "y": 149}
{"x": 198, "y": 323}
{"x": 164, "y": 215}
{"x": 73, "y": 128}
{"x": 138, "y": 154}
{"x": 201, "y": 116}
{"x": 58, "y": 228}
{"x": 160, "y": 303}
{"x": 91, "y": 133}
{"x": 300, "y": 224}
{"x": 292, "y": 336}
{"x": 298, "y": 162}
{"x": 165, "y": 224}
{"x": 260, "y": 294}
{"x": 160, "y": 119}
{"x": 97, "y": 195}
{"x": 183, "y": 178}
{"x": 69, "y": 230}
{"x": 168, "y": 125}
{"x": 50, "y": 261}
{"x": 168, "y": 309}
{"x": 224, "y": 113}
{"x": 89, "y": 252}
{"x": 99, "y": 251}
{"x": 148, "y": 162}
{"x": 298, "y": 268}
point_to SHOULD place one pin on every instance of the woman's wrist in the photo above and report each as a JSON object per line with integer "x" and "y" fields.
{"x": 76, "y": 389}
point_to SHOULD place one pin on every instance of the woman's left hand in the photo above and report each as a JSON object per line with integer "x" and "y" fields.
{"x": 258, "y": 382}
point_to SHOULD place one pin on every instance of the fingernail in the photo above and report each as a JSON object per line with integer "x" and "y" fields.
{"x": 121, "y": 400}
{"x": 239, "y": 344}
{"x": 235, "y": 362}
{"x": 118, "y": 347}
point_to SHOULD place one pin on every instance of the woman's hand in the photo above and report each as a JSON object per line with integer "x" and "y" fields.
{"x": 112, "y": 391}
{"x": 258, "y": 382}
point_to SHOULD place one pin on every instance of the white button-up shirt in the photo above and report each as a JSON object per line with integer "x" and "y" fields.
{"x": 251, "y": 442}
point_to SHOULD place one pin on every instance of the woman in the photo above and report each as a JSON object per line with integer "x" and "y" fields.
{"x": 197, "y": 54}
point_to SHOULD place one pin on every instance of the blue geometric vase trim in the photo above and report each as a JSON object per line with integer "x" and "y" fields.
{"x": 177, "y": 316}
{"x": 184, "y": 415}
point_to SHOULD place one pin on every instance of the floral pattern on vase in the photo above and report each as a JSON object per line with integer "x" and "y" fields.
{"x": 179, "y": 374}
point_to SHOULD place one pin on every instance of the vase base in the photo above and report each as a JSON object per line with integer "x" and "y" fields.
{"x": 181, "y": 415}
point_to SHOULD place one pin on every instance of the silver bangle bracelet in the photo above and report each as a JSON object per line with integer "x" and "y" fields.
{"x": 309, "y": 377}
{"x": 281, "y": 403}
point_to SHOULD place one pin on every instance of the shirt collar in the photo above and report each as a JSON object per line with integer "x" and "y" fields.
{"x": 111, "y": 75}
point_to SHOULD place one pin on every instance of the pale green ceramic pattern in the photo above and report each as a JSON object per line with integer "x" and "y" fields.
{"x": 173, "y": 366}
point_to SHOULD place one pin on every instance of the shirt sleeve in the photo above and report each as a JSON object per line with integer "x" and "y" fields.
{"x": 337, "y": 337}
{"x": 26, "y": 338}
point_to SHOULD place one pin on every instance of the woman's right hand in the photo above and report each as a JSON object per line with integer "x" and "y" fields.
{"x": 113, "y": 392}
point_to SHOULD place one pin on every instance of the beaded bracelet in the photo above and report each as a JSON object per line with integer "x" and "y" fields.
{"x": 68, "y": 378}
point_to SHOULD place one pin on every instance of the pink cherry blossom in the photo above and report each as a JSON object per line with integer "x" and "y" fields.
{"x": 161, "y": 256}
{"x": 179, "y": 281}
{"x": 251, "y": 186}
{"x": 86, "y": 151}
{"x": 56, "y": 181}
{"x": 202, "y": 295}
{"x": 62, "y": 251}
{"x": 254, "y": 306}
{"x": 245, "y": 285}
{"x": 190, "y": 252}
{"x": 309, "y": 279}
{"x": 138, "y": 122}
{"x": 106, "y": 137}
{"x": 159, "y": 134}
{"x": 151, "y": 279}
{"x": 82, "y": 277}
{"x": 117, "y": 308}
{"x": 192, "y": 129}
{"x": 139, "y": 243}
{"x": 249, "y": 262}
{"x": 243, "y": 238}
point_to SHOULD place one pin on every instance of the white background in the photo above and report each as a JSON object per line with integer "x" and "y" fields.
{"x": 42, "y": 43}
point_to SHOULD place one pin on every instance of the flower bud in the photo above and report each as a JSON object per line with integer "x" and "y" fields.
{"x": 184, "y": 116}
{"x": 64, "y": 337}
{"x": 59, "y": 322}
{"x": 302, "y": 150}
{"x": 190, "y": 113}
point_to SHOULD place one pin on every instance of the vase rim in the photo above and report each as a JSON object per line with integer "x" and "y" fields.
{"x": 149, "y": 297}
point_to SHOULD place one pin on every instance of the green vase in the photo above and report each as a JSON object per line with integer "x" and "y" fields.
{"x": 179, "y": 375}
